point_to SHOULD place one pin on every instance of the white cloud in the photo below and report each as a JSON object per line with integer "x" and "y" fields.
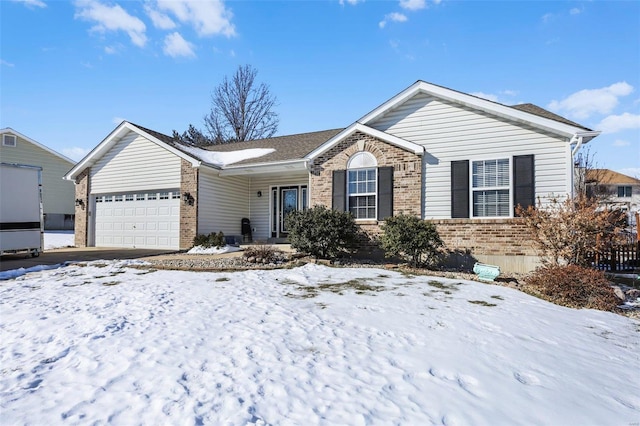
{"x": 110, "y": 50}
{"x": 31, "y": 3}
{"x": 351, "y": 2}
{"x": 620, "y": 142}
{"x": 392, "y": 17}
{"x": 509, "y": 92}
{"x": 175, "y": 46}
{"x": 6, "y": 64}
{"x": 75, "y": 153}
{"x": 616, "y": 123}
{"x": 111, "y": 18}
{"x": 206, "y": 17}
{"x": 159, "y": 19}
{"x": 575, "y": 11}
{"x": 117, "y": 120}
{"x": 586, "y": 102}
{"x": 413, "y": 4}
{"x": 487, "y": 96}
{"x": 547, "y": 17}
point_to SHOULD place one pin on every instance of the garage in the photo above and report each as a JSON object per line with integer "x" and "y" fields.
{"x": 141, "y": 219}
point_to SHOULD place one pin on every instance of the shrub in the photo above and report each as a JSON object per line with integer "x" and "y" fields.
{"x": 264, "y": 253}
{"x": 210, "y": 240}
{"x": 322, "y": 232}
{"x": 414, "y": 239}
{"x": 573, "y": 286}
{"x": 564, "y": 232}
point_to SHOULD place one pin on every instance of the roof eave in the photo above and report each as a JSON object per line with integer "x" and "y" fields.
{"x": 266, "y": 167}
{"x": 473, "y": 102}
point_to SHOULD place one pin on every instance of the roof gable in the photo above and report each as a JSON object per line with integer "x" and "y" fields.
{"x": 116, "y": 135}
{"x": 359, "y": 127}
{"x": 9, "y": 130}
{"x": 528, "y": 114}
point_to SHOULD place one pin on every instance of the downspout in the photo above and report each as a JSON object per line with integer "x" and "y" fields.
{"x": 575, "y": 139}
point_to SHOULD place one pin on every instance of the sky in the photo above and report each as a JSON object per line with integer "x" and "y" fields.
{"x": 70, "y": 72}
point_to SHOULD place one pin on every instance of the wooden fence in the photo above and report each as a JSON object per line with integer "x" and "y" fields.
{"x": 620, "y": 258}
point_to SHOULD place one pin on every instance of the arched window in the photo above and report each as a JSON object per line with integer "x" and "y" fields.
{"x": 362, "y": 185}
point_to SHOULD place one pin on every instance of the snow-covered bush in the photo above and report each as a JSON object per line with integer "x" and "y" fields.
{"x": 573, "y": 286}
{"x": 211, "y": 240}
{"x": 322, "y": 232}
{"x": 414, "y": 239}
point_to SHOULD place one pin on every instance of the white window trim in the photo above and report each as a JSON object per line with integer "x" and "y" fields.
{"x": 7, "y": 136}
{"x": 363, "y": 194}
{"x": 491, "y": 188}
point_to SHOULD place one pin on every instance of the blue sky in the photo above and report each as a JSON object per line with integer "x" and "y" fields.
{"x": 71, "y": 71}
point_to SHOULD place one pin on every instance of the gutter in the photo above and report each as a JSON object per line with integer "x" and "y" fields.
{"x": 581, "y": 138}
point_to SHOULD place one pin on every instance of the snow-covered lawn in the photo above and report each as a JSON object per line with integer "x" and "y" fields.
{"x": 58, "y": 239}
{"x": 106, "y": 343}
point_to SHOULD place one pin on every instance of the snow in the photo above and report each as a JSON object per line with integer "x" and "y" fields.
{"x": 213, "y": 250}
{"x": 58, "y": 239}
{"x": 226, "y": 158}
{"x": 108, "y": 343}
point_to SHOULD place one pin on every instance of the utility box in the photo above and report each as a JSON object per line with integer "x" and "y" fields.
{"x": 21, "y": 220}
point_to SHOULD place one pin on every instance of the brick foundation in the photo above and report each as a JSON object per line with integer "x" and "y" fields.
{"x": 82, "y": 211}
{"x": 188, "y": 213}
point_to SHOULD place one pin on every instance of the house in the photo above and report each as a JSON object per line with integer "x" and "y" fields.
{"x": 459, "y": 160}
{"x": 616, "y": 191}
{"x": 57, "y": 194}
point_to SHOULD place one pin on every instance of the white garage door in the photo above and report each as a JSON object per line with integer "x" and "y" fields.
{"x": 149, "y": 219}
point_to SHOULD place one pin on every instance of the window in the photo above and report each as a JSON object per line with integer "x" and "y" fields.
{"x": 128, "y": 197}
{"x": 99, "y": 199}
{"x": 9, "y": 140}
{"x": 624, "y": 191}
{"x": 362, "y": 185}
{"x": 175, "y": 195}
{"x": 164, "y": 195}
{"x": 490, "y": 186}
{"x": 119, "y": 198}
{"x": 140, "y": 197}
{"x": 151, "y": 196}
{"x": 108, "y": 198}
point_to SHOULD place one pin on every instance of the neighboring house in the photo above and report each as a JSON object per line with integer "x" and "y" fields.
{"x": 616, "y": 191}
{"x": 57, "y": 194}
{"x": 459, "y": 160}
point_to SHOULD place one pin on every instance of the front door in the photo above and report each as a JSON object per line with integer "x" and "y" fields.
{"x": 285, "y": 200}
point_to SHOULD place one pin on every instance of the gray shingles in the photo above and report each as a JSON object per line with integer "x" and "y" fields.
{"x": 541, "y": 112}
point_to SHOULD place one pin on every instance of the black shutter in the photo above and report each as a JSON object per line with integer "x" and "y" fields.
{"x": 460, "y": 189}
{"x": 385, "y": 192}
{"x": 339, "y": 190}
{"x": 524, "y": 191}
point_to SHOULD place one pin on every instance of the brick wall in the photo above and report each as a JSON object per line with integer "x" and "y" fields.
{"x": 407, "y": 173}
{"x": 82, "y": 218}
{"x": 188, "y": 213}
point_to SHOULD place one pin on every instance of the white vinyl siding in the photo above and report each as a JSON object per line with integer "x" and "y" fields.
{"x": 58, "y": 195}
{"x": 222, "y": 203}
{"x": 260, "y": 207}
{"x": 451, "y": 132}
{"x": 135, "y": 163}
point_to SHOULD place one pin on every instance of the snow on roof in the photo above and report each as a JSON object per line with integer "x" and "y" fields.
{"x": 226, "y": 158}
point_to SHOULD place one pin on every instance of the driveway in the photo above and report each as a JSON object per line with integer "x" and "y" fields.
{"x": 53, "y": 257}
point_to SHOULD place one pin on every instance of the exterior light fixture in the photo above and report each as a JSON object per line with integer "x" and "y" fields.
{"x": 188, "y": 198}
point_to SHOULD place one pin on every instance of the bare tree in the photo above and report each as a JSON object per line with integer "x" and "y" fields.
{"x": 193, "y": 136}
{"x": 241, "y": 109}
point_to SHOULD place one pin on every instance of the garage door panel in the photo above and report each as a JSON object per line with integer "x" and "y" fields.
{"x": 142, "y": 221}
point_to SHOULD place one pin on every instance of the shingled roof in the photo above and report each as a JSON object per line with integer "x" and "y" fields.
{"x": 541, "y": 112}
{"x": 609, "y": 177}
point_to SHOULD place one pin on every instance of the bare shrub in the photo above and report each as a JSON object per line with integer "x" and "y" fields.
{"x": 573, "y": 286}
{"x": 264, "y": 254}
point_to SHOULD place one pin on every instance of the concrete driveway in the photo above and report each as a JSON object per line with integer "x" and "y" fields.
{"x": 53, "y": 257}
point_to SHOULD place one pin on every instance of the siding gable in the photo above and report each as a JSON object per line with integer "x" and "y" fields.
{"x": 453, "y": 132}
{"x": 135, "y": 163}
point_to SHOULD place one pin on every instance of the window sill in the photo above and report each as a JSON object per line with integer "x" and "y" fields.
{"x": 366, "y": 221}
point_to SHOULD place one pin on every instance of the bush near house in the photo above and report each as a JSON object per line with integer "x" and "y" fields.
{"x": 322, "y": 232}
{"x": 414, "y": 239}
{"x": 565, "y": 231}
{"x": 211, "y": 240}
{"x": 573, "y": 286}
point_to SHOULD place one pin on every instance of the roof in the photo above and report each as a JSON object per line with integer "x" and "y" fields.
{"x": 609, "y": 177}
{"x": 287, "y": 148}
{"x": 529, "y": 114}
{"x": 38, "y": 144}
{"x": 535, "y": 109}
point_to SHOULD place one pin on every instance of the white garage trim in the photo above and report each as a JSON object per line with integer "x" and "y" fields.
{"x": 142, "y": 219}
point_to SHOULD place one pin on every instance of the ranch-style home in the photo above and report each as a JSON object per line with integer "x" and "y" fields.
{"x": 450, "y": 157}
